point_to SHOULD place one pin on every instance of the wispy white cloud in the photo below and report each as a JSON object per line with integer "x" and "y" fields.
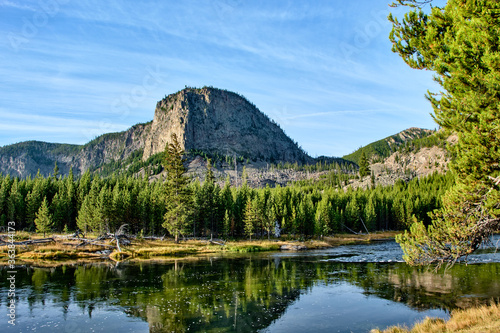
{"x": 83, "y": 68}
{"x": 11, "y": 4}
{"x": 321, "y": 114}
{"x": 69, "y": 129}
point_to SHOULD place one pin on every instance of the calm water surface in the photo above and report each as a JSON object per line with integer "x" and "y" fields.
{"x": 344, "y": 289}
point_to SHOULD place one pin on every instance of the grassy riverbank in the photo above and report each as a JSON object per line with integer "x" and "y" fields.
{"x": 348, "y": 239}
{"x": 484, "y": 319}
{"x": 63, "y": 249}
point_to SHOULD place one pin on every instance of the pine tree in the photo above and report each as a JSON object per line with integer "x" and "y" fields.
{"x": 84, "y": 185}
{"x": 4, "y": 196}
{"x": 71, "y": 199}
{"x": 250, "y": 219}
{"x": 370, "y": 217}
{"x": 15, "y": 203}
{"x": 322, "y": 218}
{"x": 86, "y": 214}
{"x": 209, "y": 176}
{"x": 244, "y": 176}
{"x": 267, "y": 211}
{"x": 33, "y": 201}
{"x": 227, "y": 224}
{"x": 207, "y": 202}
{"x": 43, "y": 220}
{"x": 104, "y": 203}
{"x": 178, "y": 197}
{"x": 58, "y": 208}
{"x": 226, "y": 196}
{"x": 55, "y": 173}
{"x": 144, "y": 206}
{"x": 352, "y": 213}
{"x": 364, "y": 166}
{"x": 460, "y": 43}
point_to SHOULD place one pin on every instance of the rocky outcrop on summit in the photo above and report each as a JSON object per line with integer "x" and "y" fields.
{"x": 218, "y": 121}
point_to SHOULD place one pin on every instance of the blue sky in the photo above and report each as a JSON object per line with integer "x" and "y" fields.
{"x": 72, "y": 70}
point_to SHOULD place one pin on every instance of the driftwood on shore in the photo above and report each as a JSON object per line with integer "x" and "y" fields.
{"x": 59, "y": 240}
{"x": 291, "y": 247}
{"x": 90, "y": 243}
{"x": 119, "y": 236}
{"x": 28, "y": 242}
{"x": 154, "y": 237}
{"x": 217, "y": 243}
{"x": 84, "y": 242}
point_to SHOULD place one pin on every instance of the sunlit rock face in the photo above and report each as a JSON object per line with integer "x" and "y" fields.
{"x": 219, "y": 121}
{"x": 209, "y": 120}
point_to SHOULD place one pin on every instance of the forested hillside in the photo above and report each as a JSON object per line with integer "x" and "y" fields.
{"x": 92, "y": 203}
{"x": 381, "y": 149}
{"x": 28, "y": 158}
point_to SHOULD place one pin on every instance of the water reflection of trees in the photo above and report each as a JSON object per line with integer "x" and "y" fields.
{"x": 422, "y": 289}
{"x": 242, "y": 294}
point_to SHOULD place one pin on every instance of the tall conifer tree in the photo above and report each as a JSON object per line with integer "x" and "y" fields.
{"x": 43, "y": 220}
{"x": 460, "y": 42}
{"x": 178, "y": 198}
{"x": 364, "y": 166}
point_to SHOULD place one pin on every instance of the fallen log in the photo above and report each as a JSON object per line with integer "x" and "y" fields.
{"x": 78, "y": 233}
{"x": 44, "y": 240}
{"x": 217, "y": 243}
{"x": 154, "y": 237}
{"x": 113, "y": 236}
{"x": 29, "y": 241}
{"x": 93, "y": 243}
{"x": 290, "y": 247}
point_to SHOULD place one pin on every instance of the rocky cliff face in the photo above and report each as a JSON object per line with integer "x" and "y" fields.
{"x": 208, "y": 119}
{"x": 219, "y": 121}
{"x": 113, "y": 147}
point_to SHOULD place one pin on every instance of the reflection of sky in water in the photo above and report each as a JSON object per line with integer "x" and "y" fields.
{"x": 344, "y": 308}
{"x": 50, "y": 318}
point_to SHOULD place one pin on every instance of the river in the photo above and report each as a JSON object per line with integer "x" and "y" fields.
{"x": 343, "y": 289}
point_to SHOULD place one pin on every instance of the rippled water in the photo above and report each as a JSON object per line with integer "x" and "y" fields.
{"x": 389, "y": 251}
{"x": 344, "y": 289}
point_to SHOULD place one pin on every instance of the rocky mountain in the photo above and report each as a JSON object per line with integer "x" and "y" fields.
{"x": 26, "y": 158}
{"x": 414, "y": 156}
{"x": 226, "y": 127}
{"x": 221, "y": 122}
{"x": 381, "y": 149}
{"x": 207, "y": 120}
{"x": 411, "y": 153}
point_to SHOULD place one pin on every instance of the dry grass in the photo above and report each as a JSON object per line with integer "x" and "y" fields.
{"x": 51, "y": 251}
{"x": 146, "y": 249}
{"x": 54, "y": 251}
{"x": 271, "y": 245}
{"x": 347, "y": 239}
{"x": 484, "y": 319}
{"x": 149, "y": 249}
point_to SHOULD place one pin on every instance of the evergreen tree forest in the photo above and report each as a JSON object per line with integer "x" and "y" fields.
{"x": 95, "y": 204}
